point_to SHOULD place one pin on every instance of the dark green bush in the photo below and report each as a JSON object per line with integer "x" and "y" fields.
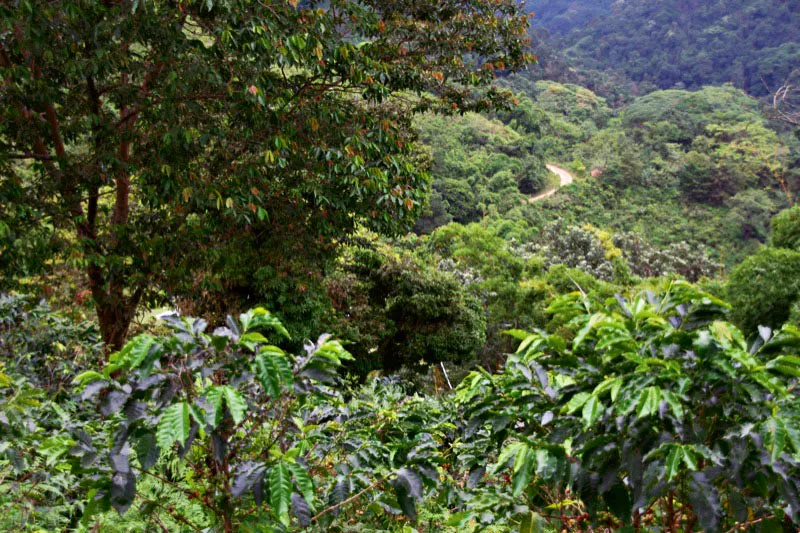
{"x": 786, "y": 229}
{"x": 763, "y": 288}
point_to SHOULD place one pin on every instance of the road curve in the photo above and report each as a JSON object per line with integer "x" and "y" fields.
{"x": 566, "y": 179}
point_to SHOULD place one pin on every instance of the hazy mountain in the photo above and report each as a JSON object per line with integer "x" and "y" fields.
{"x": 753, "y": 44}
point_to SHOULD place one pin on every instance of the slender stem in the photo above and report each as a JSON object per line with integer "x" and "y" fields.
{"x": 345, "y": 502}
{"x": 749, "y": 523}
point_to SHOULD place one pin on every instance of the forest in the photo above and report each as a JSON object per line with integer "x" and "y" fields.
{"x": 399, "y": 266}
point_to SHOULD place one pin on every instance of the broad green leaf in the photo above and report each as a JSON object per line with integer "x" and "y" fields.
{"x": 786, "y": 364}
{"x": 54, "y": 448}
{"x": 251, "y": 338}
{"x": 511, "y": 450}
{"x": 592, "y": 410}
{"x": 776, "y": 437}
{"x": 728, "y": 335}
{"x": 260, "y": 318}
{"x": 674, "y": 404}
{"x": 615, "y": 390}
{"x": 523, "y": 470}
{"x": 576, "y": 402}
{"x": 221, "y": 396}
{"x": 673, "y": 462}
{"x": 132, "y": 354}
{"x": 526, "y": 343}
{"x": 271, "y": 367}
{"x": 647, "y": 402}
{"x": 690, "y": 458}
{"x": 304, "y": 483}
{"x": 175, "y": 425}
{"x": 585, "y": 330}
{"x": 532, "y": 523}
{"x": 333, "y": 351}
{"x": 280, "y": 492}
{"x": 84, "y": 378}
{"x": 608, "y": 384}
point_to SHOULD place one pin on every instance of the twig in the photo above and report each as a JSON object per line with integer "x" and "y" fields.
{"x": 345, "y": 502}
{"x": 749, "y": 523}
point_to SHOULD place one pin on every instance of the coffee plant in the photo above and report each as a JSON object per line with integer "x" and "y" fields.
{"x": 644, "y": 413}
{"x": 655, "y": 411}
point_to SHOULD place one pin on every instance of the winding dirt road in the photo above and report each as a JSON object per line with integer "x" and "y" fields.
{"x": 566, "y": 179}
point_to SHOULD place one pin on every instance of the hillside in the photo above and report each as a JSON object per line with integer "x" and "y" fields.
{"x": 365, "y": 265}
{"x": 752, "y": 44}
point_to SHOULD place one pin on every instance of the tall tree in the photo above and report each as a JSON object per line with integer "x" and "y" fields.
{"x": 160, "y": 131}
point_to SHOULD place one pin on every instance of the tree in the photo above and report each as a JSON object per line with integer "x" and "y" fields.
{"x": 167, "y": 137}
{"x": 729, "y": 159}
{"x": 763, "y": 288}
{"x": 398, "y": 312}
{"x": 786, "y": 229}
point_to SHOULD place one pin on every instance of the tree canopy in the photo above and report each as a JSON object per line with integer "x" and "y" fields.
{"x": 167, "y": 137}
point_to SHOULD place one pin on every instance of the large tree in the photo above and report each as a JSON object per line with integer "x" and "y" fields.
{"x": 159, "y": 133}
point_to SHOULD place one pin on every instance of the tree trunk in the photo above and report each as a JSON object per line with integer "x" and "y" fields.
{"x": 115, "y": 320}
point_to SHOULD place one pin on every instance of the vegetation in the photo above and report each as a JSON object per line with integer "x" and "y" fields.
{"x": 151, "y": 129}
{"x": 554, "y": 299}
{"x": 189, "y": 430}
{"x": 658, "y": 44}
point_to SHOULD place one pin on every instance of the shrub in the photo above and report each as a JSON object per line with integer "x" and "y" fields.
{"x": 656, "y": 412}
{"x": 786, "y": 229}
{"x": 763, "y": 288}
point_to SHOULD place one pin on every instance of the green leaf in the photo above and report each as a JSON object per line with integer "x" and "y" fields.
{"x": 728, "y": 336}
{"x": 511, "y": 450}
{"x": 260, "y": 318}
{"x": 175, "y": 425}
{"x": 592, "y": 410}
{"x": 786, "y": 364}
{"x": 532, "y": 523}
{"x": 271, "y": 367}
{"x": 674, "y": 404}
{"x": 221, "y": 396}
{"x": 252, "y": 338}
{"x": 280, "y": 492}
{"x": 647, "y": 402}
{"x": 304, "y": 483}
{"x": 585, "y": 330}
{"x": 523, "y": 471}
{"x": 333, "y": 351}
{"x": 132, "y": 354}
{"x": 576, "y": 402}
{"x": 776, "y": 437}
{"x": 84, "y": 378}
{"x": 54, "y": 448}
{"x": 673, "y": 462}
{"x": 605, "y": 385}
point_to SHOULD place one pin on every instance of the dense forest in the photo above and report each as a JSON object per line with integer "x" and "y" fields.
{"x": 686, "y": 44}
{"x": 368, "y": 265}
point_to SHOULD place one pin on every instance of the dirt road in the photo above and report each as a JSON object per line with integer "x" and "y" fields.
{"x": 566, "y": 179}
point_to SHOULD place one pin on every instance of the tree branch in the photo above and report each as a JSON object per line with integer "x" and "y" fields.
{"x": 345, "y": 502}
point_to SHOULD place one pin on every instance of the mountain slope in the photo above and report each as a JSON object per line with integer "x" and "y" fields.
{"x": 753, "y": 44}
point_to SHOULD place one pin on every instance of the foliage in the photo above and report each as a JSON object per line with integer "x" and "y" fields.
{"x": 149, "y": 129}
{"x": 645, "y": 411}
{"x": 763, "y": 289}
{"x": 692, "y": 263}
{"x": 727, "y": 160}
{"x": 477, "y": 162}
{"x": 46, "y": 347}
{"x": 398, "y": 311}
{"x": 786, "y": 229}
{"x": 699, "y": 167}
{"x": 751, "y": 43}
{"x": 653, "y": 411}
{"x": 263, "y": 438}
